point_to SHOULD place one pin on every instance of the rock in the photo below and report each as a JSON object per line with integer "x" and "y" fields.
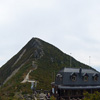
{"x": 36, "y": 44}
{"x": 38, "y": 53}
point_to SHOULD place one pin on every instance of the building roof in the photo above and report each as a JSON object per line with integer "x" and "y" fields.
{"x": 78, "y": 77}
{"x": 76, "y": 70}
{"x": 78, "y": 87}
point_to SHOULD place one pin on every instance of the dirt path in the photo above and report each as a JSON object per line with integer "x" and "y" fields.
{"x": 26, "y": 79}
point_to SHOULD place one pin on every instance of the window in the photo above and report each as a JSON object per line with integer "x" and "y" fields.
{"x": 95, "y": 77}
{"x": 73, "y": 78}
{"x": 69, "y": 92}
{"x": 59, "y": 77}
{"x": 78, "y": 92}
{"x": 85, "y": 77}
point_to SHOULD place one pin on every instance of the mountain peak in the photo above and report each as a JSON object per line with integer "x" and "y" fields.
{"x": 37, "y": 47}
{"x": 34, "y": 42}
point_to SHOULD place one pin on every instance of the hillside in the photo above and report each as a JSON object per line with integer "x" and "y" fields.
{"x": 47, "y": 58}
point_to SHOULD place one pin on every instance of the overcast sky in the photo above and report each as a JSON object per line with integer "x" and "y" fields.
{"x": 71, "y": 25}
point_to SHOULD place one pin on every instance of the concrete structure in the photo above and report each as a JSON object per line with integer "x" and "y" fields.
{"x": 72, "y": 82}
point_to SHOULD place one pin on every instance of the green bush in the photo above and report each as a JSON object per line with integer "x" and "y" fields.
{"x": 94, "y": 96}
{"x": 52, "y": 98}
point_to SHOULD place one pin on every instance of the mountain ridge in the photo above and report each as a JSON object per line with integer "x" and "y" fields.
{"x": 32, "y": 43}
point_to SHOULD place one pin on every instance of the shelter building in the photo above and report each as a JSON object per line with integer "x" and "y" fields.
{"x": 71, "y": 83}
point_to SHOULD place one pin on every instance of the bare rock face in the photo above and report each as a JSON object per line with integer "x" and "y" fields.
{"x": 36, "y": 44}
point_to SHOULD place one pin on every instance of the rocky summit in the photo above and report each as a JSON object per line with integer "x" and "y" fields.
{"x": 37, "y": 60}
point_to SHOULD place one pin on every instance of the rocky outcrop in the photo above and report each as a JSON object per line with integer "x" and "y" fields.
{"x": 36, "y": 44}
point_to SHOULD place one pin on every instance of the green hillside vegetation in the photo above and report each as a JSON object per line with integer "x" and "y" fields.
{"x": 49, "y": 63}
{"x": 94, "y": 96}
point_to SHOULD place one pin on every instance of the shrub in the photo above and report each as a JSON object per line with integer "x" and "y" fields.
{"x": 94, "y": 96}
{"x": 52, "y": 98}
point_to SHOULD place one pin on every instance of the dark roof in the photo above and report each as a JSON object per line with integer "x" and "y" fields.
{"x": 79, "y": 80}
{"x": 76, "y": 70}
{"x": 78, "y": 87}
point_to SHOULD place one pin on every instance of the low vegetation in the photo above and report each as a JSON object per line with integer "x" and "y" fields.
{"x": 94, "y": 96}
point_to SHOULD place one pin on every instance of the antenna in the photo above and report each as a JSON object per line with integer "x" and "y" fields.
{"x": 70, "y": 59}
{"x": 89, "y": 61}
